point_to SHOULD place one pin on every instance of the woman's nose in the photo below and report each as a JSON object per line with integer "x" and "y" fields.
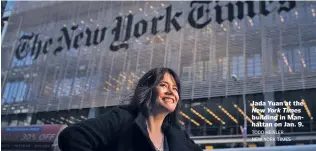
{"x": 169, "y": 92}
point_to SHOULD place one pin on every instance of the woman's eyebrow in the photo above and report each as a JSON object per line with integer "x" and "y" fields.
{"x": 162, "y": 81}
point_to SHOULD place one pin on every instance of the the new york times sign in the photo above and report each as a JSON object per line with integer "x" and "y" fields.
{"x": 198, "y": 17}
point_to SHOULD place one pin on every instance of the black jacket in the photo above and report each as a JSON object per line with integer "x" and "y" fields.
{"x": 120, "y": 130}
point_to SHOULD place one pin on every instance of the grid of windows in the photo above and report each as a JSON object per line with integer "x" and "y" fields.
{"x": 20, "y": 63}
{"x": 310, "y": 57}
{"x": 254, "y": 65}
{"x": 79, "y": 85}
{"x": 293, "y": 60}
{"x": 204, "y": 58}
{"x": 237, "y": 68}
{"x": 14, "y": 92}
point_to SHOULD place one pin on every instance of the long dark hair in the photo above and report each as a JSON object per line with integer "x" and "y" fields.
{"x": 145, "y": 94}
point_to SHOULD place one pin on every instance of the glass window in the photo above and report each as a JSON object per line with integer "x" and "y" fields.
{"x": 234, "y": 67}
{"x": 67, "y": 86}
{"x": 238, "y": 66}
{"x": 10, "y": 93}
{"x": 257, "y": 65}
{"x": 93, "y": 84}
{"x": 199, "y": 71}
{"x": 23, "y": 92}
{"x": 290, "y": 60}
{"x": 9, "y": 6}
{"x": 297, "y": 60}
{"x": 14, "y": 92}
{"x": 64, "y": 88}
{"x": 55, "y": 86}
{"x": 286, "y": 57}
{"x": 250, "y": 67}
{"x": 220, "y": 68}
{"x": 311, "y": 58}
{"x": 24, "y": 62}
{"x": 241, "y": 66}
{"x": 29, "y": 60}
{"x": 5, "y": 96}
{"x": 225, "y": 67}
{"x": 185, "y": 76}
{"x": 186, "y": 72}
{"x": 76, "y": 87}
{"x": 281, "y": 65}
{"x": 18, "y": 91}
{"x": 14, "y": 62}
{"x": 59, "y": 87}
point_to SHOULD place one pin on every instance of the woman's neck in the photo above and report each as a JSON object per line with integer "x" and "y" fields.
{"x": 154, "y": 122}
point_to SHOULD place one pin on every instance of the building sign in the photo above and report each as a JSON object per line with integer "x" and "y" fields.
{"x": 198, "y": 17}
{"x": 29, "y": 137}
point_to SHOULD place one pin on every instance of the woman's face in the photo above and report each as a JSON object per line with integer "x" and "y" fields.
{"x": 168, "y": 95}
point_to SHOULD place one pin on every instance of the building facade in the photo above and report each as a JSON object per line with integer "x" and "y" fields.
{"x": 63, "y": 62}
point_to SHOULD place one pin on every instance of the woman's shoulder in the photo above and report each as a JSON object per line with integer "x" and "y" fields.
{"x": 120, "y": 113}
{"x": 125, "y": 110}
{"x": 116, "y": 117}
{"x": 95, "y": 132}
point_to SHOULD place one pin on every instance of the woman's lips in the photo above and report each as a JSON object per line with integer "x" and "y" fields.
{"x": 168, "y": 100}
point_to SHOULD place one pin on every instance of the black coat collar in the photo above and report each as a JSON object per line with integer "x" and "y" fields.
{"x": 141, "y": 123}
{"x": 177, "y": 139}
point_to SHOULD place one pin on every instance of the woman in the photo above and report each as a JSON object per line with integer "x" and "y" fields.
{"x": 148, "y": 123}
